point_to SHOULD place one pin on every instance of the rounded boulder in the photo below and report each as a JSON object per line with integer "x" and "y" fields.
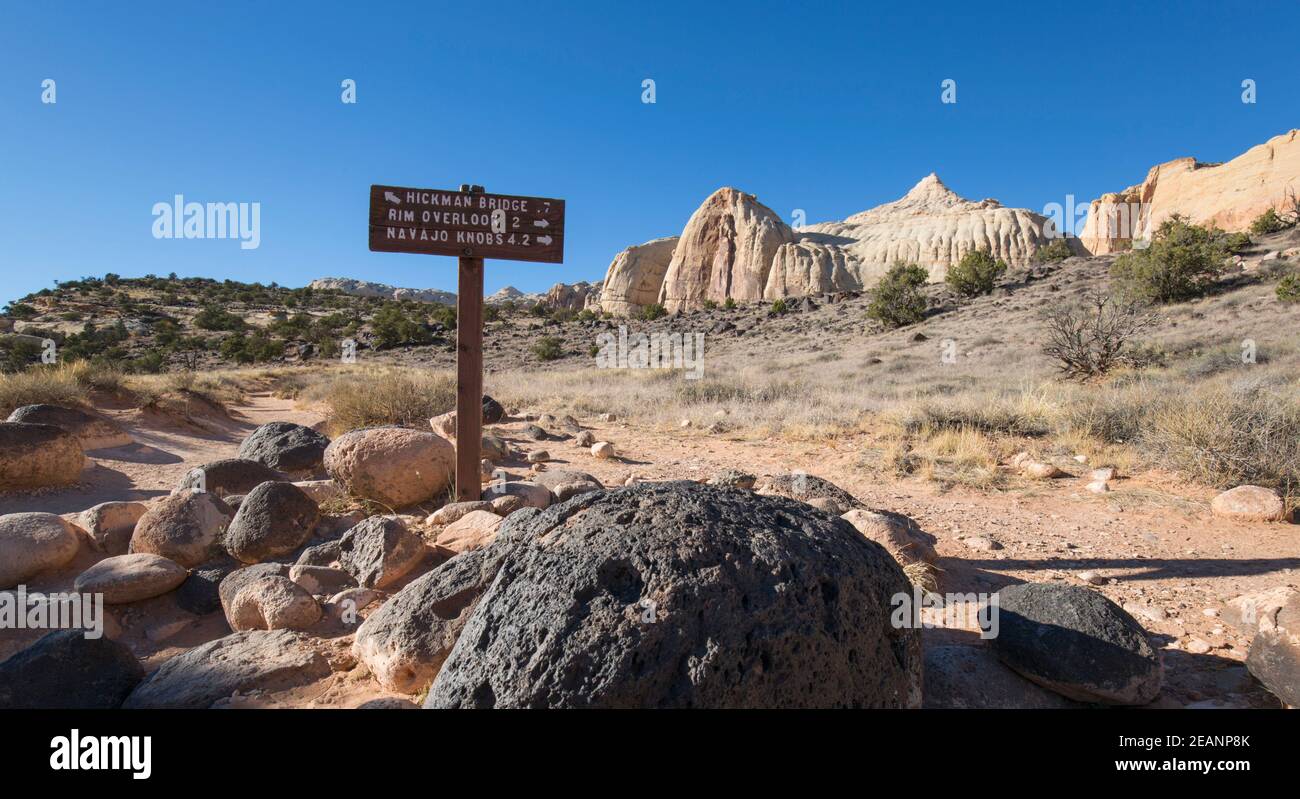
{"x": 272, "y": 521}
{"x": 392, "y": 465}
{"x": 38, "y": 455}
{"x": 683, "y": 595}
{"x": 131, "y": 578}
{"x": 31, "y": 543}
{"x": 186, "y": 528}
{"x": 1249, "y": 504}
{"x": 91, "y": 431}
{"x": 286, "y": 447}
{"x": 1076, "y": 642}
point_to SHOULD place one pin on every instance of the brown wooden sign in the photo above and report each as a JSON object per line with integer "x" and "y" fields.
{"x": 471, "y": 225}
{"x": 466, "y": 224}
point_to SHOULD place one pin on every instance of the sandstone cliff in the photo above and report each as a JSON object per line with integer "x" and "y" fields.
{"x": 365, "y": 288}
{"x": 725, "y": 251}
{"x": 933, "y": 227}
{"x": 573, "y": 297}
{"x": 636, "y": 275}
{"x": 1229, "y": 195}
{"x": 734, "y": 246}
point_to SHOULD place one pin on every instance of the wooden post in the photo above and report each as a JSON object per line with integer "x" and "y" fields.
{"x": 469, "y": 378}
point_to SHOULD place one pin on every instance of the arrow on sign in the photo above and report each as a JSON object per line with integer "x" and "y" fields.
{"x": 392, "y": 198}
{"x": 543, "y": 239}
{"x": 541, "y": 223}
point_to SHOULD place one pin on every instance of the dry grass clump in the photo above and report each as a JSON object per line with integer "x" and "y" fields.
{"x": 62, "y": 384}
{"x": 1245, "y": 431}
{"x": 383, "y": 396}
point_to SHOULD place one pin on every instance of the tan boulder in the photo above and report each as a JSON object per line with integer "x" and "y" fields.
{"x": 272, "y": 603}
{"x": 1249, "y": 612}
{"x": 1040, "y": 470}
{"x": 109, "y": 525}
{"x": 454, "y": 510}
{"x": 392, "y": 465}
{"x": 1249, "y": 504}
{"x": 131, "y": 578}
{"x": 474, "y": 530}
{"x": 604, "y": 450}
{"x": 897, "y": 533}
{"x": 31, "y": 543}
{"x": 38, "y": 455}
{"x": 186, "y": 528}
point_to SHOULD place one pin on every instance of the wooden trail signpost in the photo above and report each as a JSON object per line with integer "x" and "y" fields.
{"x": 471, "y": 225}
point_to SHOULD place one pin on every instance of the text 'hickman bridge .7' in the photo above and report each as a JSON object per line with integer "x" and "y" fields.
{"x": 466, "y": 224}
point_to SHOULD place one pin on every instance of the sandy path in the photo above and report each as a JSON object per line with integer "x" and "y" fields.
{"x": 165, "y": 449}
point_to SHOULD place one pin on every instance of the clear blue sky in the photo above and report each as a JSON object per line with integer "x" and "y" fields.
{"x": 831, "y": 108}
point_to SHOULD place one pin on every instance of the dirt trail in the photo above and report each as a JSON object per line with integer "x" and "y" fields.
{"x": 164, "y": 449}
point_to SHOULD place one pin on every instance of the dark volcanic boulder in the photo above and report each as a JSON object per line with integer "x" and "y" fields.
{"x": 286, "y": 446}
{"x": 492, "y": 410}
{"x": 1076, "y": 642}
{"x": 272, "y": 521}
{"x": 229, "y": 476}
{"x": 806, "y": 487}
{"x": 199, "y": 594}
{"x": 67, "y": 670}
{"x": 379, "y": 551}
{"x": 93, "y": 432}
{"x": 683, "y": 595}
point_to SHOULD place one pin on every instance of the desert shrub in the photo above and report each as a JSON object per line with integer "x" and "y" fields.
{"x": 18, "y": 354}
{"x": 1288, "y": 288}
{"x": 1181, "y": 263}
{"x": 710, "y": 305}
{"x": 385, "y": 397}
{"x": 897, "y": 299}
{"x": 445, "y": 315}
{"x": 586, "y": 315}
{"x": 1232, "y": 242}
{"x": 779, "y": 307}
{"x": 540, "y": 310}
{"x": 19, "y": 310}
{"x": 1088, "y": 340}
{"x": 1058, "y": 249}
{"x": 1270, "y": 222}
{"x": 729, "y": 304}
{"x": 255, "y": 347}
{"x": 394, "y": 328}
{"x": 652, "y": 312}
{"x": 548, "y": 348}
{"x": 1227, "y": 435}
{"x": 975, "y": 274}
{"x": 214, "y": 318}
